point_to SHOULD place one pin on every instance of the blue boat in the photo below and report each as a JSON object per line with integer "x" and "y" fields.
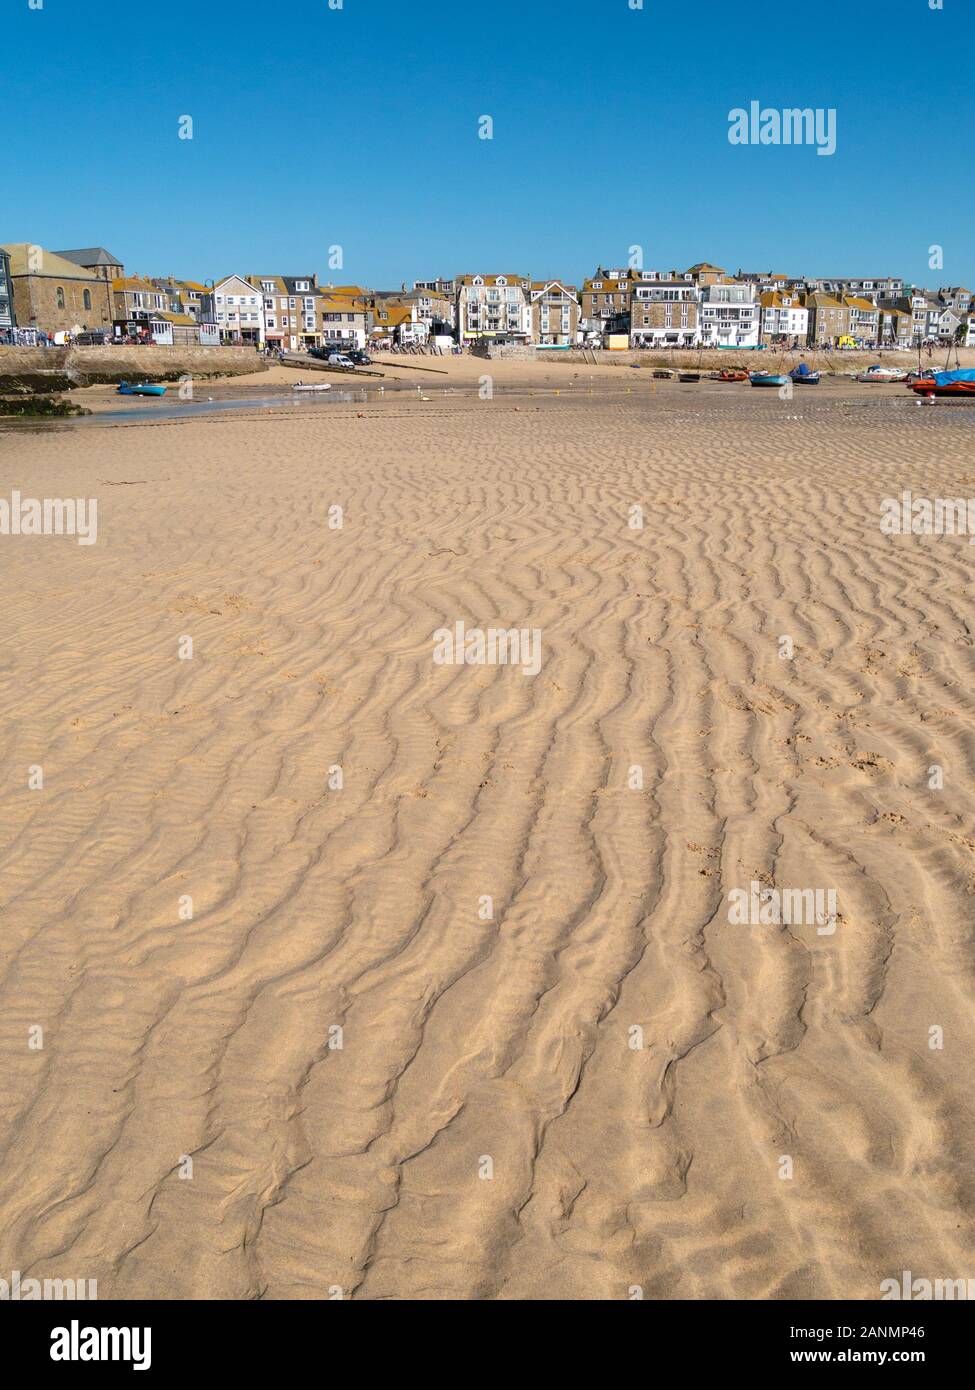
{"x": 140, "y": 388}
{"x": 767, "y": 379}
{"x": 802, "y": 376}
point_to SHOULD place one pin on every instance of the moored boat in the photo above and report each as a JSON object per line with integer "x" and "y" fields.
{"x": 802, "y": 376}
{"x": 140, "y": 388}
{"x": 688, "y": 376}
{"x": 731, "y": 374}
{"x": 960, "y": 383}
{"x": 882, "y": 375}
{"x": 767, "y": 379}
{"x": 317, "y": 386}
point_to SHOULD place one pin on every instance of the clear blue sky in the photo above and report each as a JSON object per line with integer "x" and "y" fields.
{"x": 359, "y": 126}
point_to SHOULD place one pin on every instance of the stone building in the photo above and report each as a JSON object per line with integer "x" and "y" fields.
{"x": 56, "y": 295}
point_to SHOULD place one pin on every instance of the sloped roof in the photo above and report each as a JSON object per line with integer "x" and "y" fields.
{"x": 49, "y": 262}
{"x": 90, "y": 255}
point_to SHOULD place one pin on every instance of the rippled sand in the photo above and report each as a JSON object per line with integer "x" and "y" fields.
{"x": 490, "y": 1126}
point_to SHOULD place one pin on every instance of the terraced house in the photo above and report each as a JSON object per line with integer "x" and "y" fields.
{"x": 292, "y": 307}
{"x": 664, "y": 313}
{"x": 784, "y": 317}
{"x": 729, "y": 314}
{"x": 238, "y": 310}
{"x": 829, "y": 319}
{"x": 864, "y": 320}
{"x": 494, "y": 306}
{"x": 606, "y": 300}
{"x": 555, "y": 311}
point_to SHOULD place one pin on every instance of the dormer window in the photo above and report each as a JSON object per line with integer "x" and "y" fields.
{"x": 301, "y": 284}
{"x": 500, "y": 280}
{"x": 267, "y": 286}
{"x": 478, "y": 280}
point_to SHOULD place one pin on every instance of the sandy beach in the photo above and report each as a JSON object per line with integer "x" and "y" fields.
{"x": 332, "y": 970}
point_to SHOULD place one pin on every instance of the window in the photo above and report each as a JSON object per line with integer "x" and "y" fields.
{"x": 60, "y": 297}
{"x": 267, "y": 286}
{"x": 87, "y": 299}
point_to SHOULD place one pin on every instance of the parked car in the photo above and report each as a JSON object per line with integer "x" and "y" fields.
{"x": 359, "y": 358}
{"x": 339, "y": 359}
{"x": 90, "y": 340}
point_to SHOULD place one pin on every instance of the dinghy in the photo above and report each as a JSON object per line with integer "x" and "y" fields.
{"x": 768, "y": 379}
{"x": 317, "y": 386}
{"x": 802, "y": 376}
{"x": 140, "y": 388}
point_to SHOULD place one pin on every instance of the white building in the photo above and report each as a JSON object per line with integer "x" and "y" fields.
{"x": 729, "y": 315}
{"x": 238, "y": 310}
{"x": 493, "y": 306}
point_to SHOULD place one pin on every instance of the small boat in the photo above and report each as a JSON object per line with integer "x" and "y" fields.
{"x": 802, "y": 376}
{"x": 767, "y": 379}
{"x": 960, "y": 383}
{"x": 882, "y": 374}
{"x": 317, "y": 386}
{"x": 663, "y": 374}
{"x": 731, "y": 374}
{"x": 688, "y": 376}
{"x": 140, "y": 388}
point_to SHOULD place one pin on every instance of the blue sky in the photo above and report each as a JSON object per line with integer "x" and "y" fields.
{"x": 359, "y": 127}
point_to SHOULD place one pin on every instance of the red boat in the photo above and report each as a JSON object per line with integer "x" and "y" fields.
{"x": 731, "y": 374}
{"x": 961, "y": 383}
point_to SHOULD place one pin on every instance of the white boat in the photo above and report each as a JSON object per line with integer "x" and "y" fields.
{"x": 883, "y": 374}
{"x": 318, "y": 386}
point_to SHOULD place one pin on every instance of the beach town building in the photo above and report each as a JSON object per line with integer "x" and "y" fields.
{"x": 55, "y": 295}
{"x": 134, "y": 297}
{"x": 956, "y": 297}
{"x": 664, "y": 313}
{"x": 915, "y": 302}
{"x": 493, "y": 306}
{"x": 729, "y": 314}
{"x": 880, "y": 287}
{"x": 896, "y": 327}
{"x": 434, "y": 309}
{"x": 347, "y": 317}
{"x": 292, "y": 309}
{"x": 102, "y": 264}
{"x": 447, "y": 289}
{"x": 864, "y": 320}
{"x": 784, "y": 317}
{"x": 829, "y": 319}
{"x": 398, "y": 320}
{"x": 704, "y": 273}
{"x": 606, "y": 299}
{"x": 555, "y": 312}
{"x": 185, "y": 296}
{"x": 238, "y": 310}
{"x": 7, "y": 319}
{"x": 940, "y": 321}
{"x": 765, "y": 279}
